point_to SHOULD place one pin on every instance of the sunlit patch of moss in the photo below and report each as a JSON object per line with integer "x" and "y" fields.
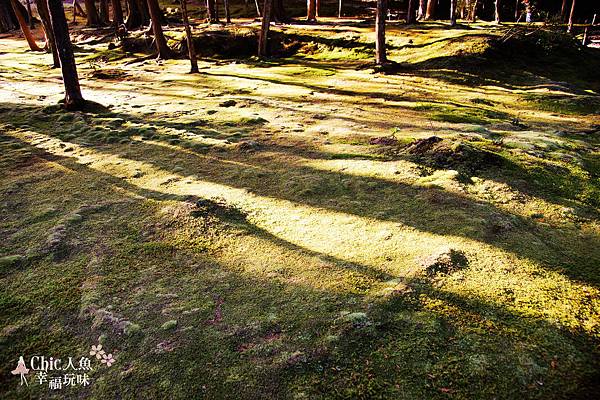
{"x": 565, "y": 104}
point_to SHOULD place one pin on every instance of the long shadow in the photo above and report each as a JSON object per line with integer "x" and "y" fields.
{"x": 421, "y": 208}
{"x": 405, "y": 346}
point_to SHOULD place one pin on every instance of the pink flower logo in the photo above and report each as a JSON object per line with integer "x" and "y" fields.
{"x": 107, "y": 359}
{"x": 97, "y": 351}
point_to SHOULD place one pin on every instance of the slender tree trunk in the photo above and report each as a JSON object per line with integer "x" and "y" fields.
{"x": 104, "y": 12}
{"x": 93, "y": 19}
{"x": 311, "y": 10}
{"x": 227, "y": 14}
{"x": 164, "y": 52}
{"x": 278, "y": 12}
{"x": 263, "y": 38}
{"x": 8, "y": 19}
{"x": 211, "y": 11}
{"x": 422, "y": 9}
{"x": 380, "y": 53}
{"x": 411, "y": 14}
{"x": 77, "y": 10}
{"x": 30, "y": 15}
{"x": 452, "y": 12}
{"x": 138, "y": 14}
{"x": 563, "y": 10}
{"x": 42, "y": 8}
{"x": 497, "y": 11}
{"x": 570, "y": 28}
{"x": 430, "y": 13}
{"x": 257, "y": 8}
{"x": 317, "y": 7}
{"x": 24, "y": 27}
{"x": 517, "y": 11}
{"x": 190, "y": 41}
{"x": 474, "y": 11}
{"x": 117, "y": 13}
{"x": 73, "y": 98}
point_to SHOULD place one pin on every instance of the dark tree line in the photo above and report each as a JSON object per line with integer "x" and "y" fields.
{"x": 143, "y": 13}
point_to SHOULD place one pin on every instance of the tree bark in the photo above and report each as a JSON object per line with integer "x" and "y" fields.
{"x": 422, "y": 10}
{"x": 93, "y": 19}
{"x": 30, "y": 15}
{"x": 164, "y": 52}
{"x": 311, "y": 10}
{"x": 570, "y": 28}
{"x": 227, "y": 14}
{"x": 190, "y": 41}
{"x": 278, "y": 12}
{"x": 24, "y": 27}
{"x": 430, "y": 13}
{"x": 104, "y": 12}
{"x": 497, "y": 11}
{"x": 211, "y": 11}
{"x": 263, "y": 39}
{"x": 73, "y": 98}
{"x": 117, "y": 13}
{"x": 563, "y": 10}
{"x": 138, "y": 14}
{"x": 8, "y": 19}
{"x": 42, "y": 8}
{"x": 411, "y": 14}
{"x": 452, "y": 12}
{"x": 380, "y": 16}
{"x": 474, "y": 11}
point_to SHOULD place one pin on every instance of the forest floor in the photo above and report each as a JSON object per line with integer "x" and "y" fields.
{"x": 303, "y": 227}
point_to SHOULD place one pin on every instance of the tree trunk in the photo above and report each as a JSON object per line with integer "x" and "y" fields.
{"x": 563, "y": 10}
{"x": 73, "y": 98}
{"x": 317, "y": 7}
{"x": 422, "y": 9}
{"x": 138, "y": 14}
{"x": 570, "y": 28}
{"x": 380, "y": 53}
{"x": 211, "y": 11}
{"x": 474, "y": 10}
{"x": 30, "y": 15}
{"x": 278, "y": 12}
{"x": 411, "y": 14}
{"x": 497, "y": 11}
{"x": 77, "y": 10}
{"x": 263, "y": 39}
{"x": 227, "y": 14}
{"x": 517, "y": 11}
{"x": 164, "y": 52}
{"x": 93, "y": 19}
{"x": 430, "y": 13}
{"x": 188, "y": 35}
{"x": 117, "y": 13}
{"x": 8, "y": 19}
{"x": 453, "y": 12}
{"x": 24, "y": 27}
{"x": 104, "y": 12}
{"x": 311, "y": 10}
{"x": 42, "y": 8}
{"x": 257, "y": 8}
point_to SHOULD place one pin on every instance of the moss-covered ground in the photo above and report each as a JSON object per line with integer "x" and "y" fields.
{"x": 259, "y": 230}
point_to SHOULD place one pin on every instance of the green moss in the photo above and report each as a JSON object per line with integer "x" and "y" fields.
{"x": 169, "y": 325}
